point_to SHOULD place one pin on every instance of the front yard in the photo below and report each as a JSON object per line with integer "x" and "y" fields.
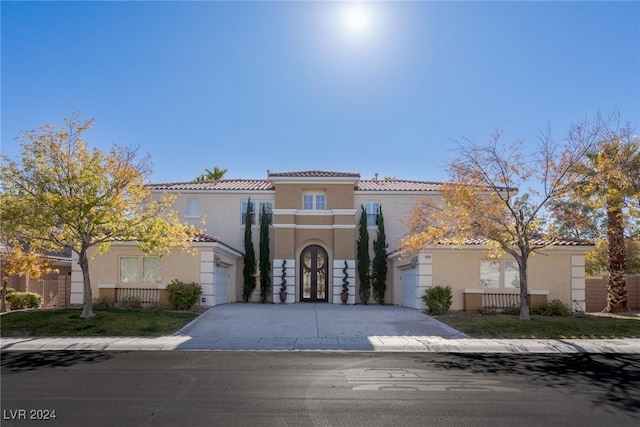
{"x": 570, "y": 327}
{"x": 106, "y": 322}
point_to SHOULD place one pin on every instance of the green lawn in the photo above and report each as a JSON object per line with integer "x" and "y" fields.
{"x": 107, "y": 322}
{"x": 576, "y": 326}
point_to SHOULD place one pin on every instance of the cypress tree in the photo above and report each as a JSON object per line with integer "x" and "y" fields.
{"x": 265, "y": 265}
{"x": 380, "y": 261}
{"x": 363, "y": 258}
{"x": 249, "y": 270}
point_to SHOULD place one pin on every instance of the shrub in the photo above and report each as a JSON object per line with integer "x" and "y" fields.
{"x": 102, "y": 302}
{"x": 488, "y": 310}
{"x": 514, "y": 310}
{"x": 552, "y": 308}
{"x": 20, "y": 300}
{"x": 130, "y": 303}
{"x": 438, "y": 299}
{"x": 9, "y": 290}
{"x": 183, "y": 296}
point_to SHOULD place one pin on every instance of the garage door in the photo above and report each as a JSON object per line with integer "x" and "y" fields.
{"x": 222, "y": 286}
{"x": 409, "y": 282}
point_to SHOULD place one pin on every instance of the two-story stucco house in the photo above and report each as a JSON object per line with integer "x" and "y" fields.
{"x": 313, "y": 232}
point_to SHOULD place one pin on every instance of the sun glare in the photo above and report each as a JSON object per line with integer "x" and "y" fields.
{"x": 357, "y": 20}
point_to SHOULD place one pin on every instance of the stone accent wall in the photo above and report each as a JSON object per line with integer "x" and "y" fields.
{"x": 290, "y": 277}
{"x": 338, "y": 275}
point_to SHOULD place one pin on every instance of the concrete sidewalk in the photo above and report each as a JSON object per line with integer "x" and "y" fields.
{"x": 312, "y": 327}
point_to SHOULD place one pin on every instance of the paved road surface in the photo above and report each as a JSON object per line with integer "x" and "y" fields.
{"x": 194, "y": 388}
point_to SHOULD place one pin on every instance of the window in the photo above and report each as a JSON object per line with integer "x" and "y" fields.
{"x": 372, "y": 208}
{"x": 137, "y": 269}
{"x": 255, "y": 213}
{"x": 499, "y": 274}
{"x": 268, "y": 206}
{"x": 192, "y": 208}
{"x": 314, "y": 201}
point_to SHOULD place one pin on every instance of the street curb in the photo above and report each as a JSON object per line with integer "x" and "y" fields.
{"x": 181, "y": 342}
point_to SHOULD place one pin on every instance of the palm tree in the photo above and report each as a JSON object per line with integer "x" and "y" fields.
{"x": 612, "y": 183}
{"x": 214, "y": 175}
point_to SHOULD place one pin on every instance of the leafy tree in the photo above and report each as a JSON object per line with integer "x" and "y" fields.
{"x": 379, "y": 266}
{"x": 265, "y": 265}
{"x": 211, "y": 175}
{"x": 611, "y": 186}
{"x": 17, "y": 262}
{"x": 249, "y": 270}
{"x": 481, "y": 202}
{"x": 62, "y": 194}
{"x": 363, "y": 258}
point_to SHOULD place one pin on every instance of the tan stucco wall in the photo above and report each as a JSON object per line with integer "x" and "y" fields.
{"x": 104, "y": 269}
{"x": 460, "y": 269}
{"x": 289, "y": 195}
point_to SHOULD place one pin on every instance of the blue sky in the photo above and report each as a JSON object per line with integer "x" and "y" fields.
{"x": 251, "y": 86}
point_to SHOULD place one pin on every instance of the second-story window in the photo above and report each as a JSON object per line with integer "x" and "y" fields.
{"x": 372, "y": 208}
{"x": 256, "y": 209}
{"x": 192, "y": 208}
{"x": 316, "y": 201}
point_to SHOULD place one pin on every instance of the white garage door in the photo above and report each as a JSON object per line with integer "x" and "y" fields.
{"x": 409, "y": 284}
{"x": 222, "y": 286}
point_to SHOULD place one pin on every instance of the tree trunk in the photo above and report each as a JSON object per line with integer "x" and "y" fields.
{"x": 3, "y": 304}
{"x": 87, "y": 302}
{"x": 616, "y": 288}
{"x": 524, "y": 303}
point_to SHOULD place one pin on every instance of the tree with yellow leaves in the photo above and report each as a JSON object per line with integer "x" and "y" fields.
{"x": 61, "y": 193}
{"x": 18, "y": 262}
{"x": 482, "y": 202}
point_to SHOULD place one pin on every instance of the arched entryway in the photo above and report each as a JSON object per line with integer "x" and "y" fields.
{"x": 314, "y": 274}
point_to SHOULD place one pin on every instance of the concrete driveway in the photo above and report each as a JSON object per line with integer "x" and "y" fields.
{"x": 307, "y": 326}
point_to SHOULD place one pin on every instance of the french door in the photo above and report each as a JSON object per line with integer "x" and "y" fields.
{"x": 314, "y": 274}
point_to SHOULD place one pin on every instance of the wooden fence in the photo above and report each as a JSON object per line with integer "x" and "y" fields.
{"x": 596, "y": 292}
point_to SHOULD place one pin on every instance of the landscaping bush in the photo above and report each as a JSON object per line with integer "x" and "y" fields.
{"x": 552, "y": 308}
{"x": 130, "y": 303}
{"x": 514, "y": 310}
{"x": 102, "y": 302}
{"x": 21, "y": 300}
{"x": 183, "y": 296}
{"x": 438, "y": 299}
{"x": 9, "y": 290}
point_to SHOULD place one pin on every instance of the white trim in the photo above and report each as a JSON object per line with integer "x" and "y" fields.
{"x": 344, "y": 211}
{"x": 284, "y": 211}
{"x": 106, "y": 286}
{"x": 314, "y": 212}
{"x": 538, "y": 292}
{"x": 316, "y": 226}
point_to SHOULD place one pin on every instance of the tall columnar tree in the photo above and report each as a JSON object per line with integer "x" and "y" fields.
{"x": 380, "y": 261}
{"x": 249, "y": 270}
{"x": 481, "y": 202}
{"x": 611, "y": 185}
{"x": 60, "y": 194}
{"x": 265, "y": 264}
{"x": 363, "y": 258}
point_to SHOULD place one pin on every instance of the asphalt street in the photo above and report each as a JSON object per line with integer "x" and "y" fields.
{"x": 281, "y": 388}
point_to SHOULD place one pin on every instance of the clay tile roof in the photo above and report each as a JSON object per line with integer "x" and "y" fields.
{"x": 208, "y": 238}
{"x": 222, "y": 184}
{"x": 398, "y": 185}
{"x": 314, "y": 174}
{"x": 538, "y": 240}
